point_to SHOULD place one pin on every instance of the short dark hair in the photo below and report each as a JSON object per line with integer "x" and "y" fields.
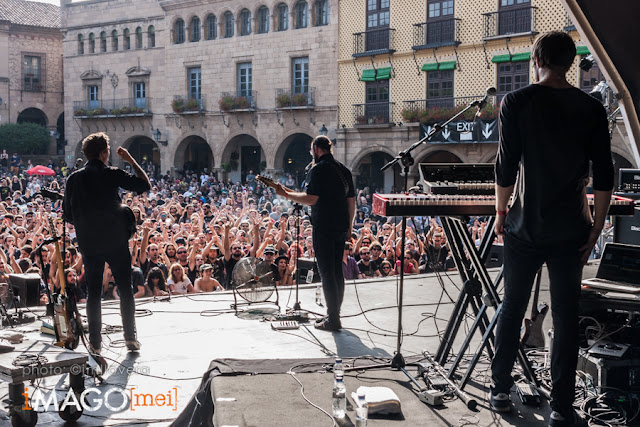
{"x": 322, "y": 142}
{"x": 555, "y": 50}
{"x": 95, "y": 144}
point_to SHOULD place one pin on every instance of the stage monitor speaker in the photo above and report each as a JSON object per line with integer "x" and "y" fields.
{"x": 496, "y": 256}
{"x": 27, "y": 287}
{"x": 306, "y": 264}
{"x": 627, "y": 228}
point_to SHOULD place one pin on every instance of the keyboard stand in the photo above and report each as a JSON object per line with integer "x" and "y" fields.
{"x": 470, "y": 263}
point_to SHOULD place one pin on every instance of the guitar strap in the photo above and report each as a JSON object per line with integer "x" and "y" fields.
{"x": 342, "y": 176}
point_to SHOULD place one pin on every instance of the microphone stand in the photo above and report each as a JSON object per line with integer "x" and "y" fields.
{"x": 406, "y": 160}
{"x": 297, "y": 207}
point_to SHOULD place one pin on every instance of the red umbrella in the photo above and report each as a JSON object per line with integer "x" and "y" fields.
{"x": 41, "y": 170}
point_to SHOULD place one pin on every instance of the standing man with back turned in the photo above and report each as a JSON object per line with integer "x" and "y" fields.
{"x": 331, "y": 195}
{"x": 549, "y": 133}
{"x": 93, "y": 205}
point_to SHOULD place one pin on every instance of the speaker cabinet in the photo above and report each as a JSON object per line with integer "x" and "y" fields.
{"x": 27, "y": 287}
{"x": 306, "y": 265}
{"x": 627, "y": 228}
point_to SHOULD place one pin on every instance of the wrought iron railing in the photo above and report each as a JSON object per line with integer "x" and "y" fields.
{"x": 186, "y": 104}
{"x": 241, "y": 100}
{"x": 112, "y": 107}
{"x": 374, "y": 42}
{"x": 295, "y": 97}
{"x": 428, "y": 35}
{"x": 510, "y": 21}
{"x": 444, "y": 108}
{"x": 373, "y": 113}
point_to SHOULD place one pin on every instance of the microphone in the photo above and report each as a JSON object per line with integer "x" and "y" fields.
{"x": 491, "y": 91}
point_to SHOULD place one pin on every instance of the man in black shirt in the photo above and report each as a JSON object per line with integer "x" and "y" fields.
{"x": 549, "y": 133}
{"x": 92, "y": 204}
{"x": 331, "y": 195}
{"x": 366, "y": 266}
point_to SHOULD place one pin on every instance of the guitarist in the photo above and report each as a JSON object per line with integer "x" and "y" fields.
{"x": 92, "y": 204}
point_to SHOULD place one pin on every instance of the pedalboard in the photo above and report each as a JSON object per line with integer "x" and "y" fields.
{"x": 299, "y": 316}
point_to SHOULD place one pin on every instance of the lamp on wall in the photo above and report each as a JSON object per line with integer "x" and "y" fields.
{"x": 157, "y": 135}
{"x": 323, "y": 130}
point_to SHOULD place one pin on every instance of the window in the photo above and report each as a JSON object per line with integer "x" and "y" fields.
{"x": 514, "y": 17}
{"x": 103, "y": 41}
{"x": 440, "y": 25}
{"x": 212, "y": 24}
{"x": 195, "y": 29}
{"x": 322, "y": 12}
{"x": 440, "y": 8}
{"x": 92, "y": 43}
{"x": 178, "y": 31}
{"x": 140, "y": 94}
{"x": 245, "y": 22}
{"x": 300, "y": 74}
{"x": 440, "y": 89}
{"x": 80, "y": 44}
{"x": 228, "y": 24}
{"x": 302, "y": 14}
{"x": 114, "y": 40}
{"x": 151, "y": 35}
{"x": 244, "y": 80}
{"x": 377, "y": 13}
{"x": 94, "y": 101}
{"x": 512, "y": 76}
{"x": 195, "y": 83}
{"x": 32, "y": 72}
{"x": 283, "y": 17}
{"x": 263, "y": 20}
{"x": 377, "y": 101}
{"x": 126, "y": 39}
{"x": 138, "y": 38}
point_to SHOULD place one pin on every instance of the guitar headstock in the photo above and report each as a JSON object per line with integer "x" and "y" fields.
{"x": 266, "y": 181}
{"x": 52, "y": 228}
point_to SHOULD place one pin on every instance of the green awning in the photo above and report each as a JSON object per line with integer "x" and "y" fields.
{"x": 449, "y": 65}
{"x": 582, "y": 50}
{"x": 383, "y": 73}
{"x": 521, "y": 57}
{"x": 432, "y": 66}
{"x": 368, "y": 75}
{"x": 501, "y": 58}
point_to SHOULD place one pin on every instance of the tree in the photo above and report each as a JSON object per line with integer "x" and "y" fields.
{"x": 24, "y": 138}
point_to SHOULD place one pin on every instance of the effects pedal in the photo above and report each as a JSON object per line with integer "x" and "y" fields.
{"x": 431, "y": 397}
{"x": 281, "y": 325}
{"x": 300, "y": 316}
{"x": 528, "y": 394}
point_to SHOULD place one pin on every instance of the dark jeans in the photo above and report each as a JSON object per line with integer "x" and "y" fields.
{"x": 329, "y": 248}
{"x": 521, "y": 262}
{"x": 120, "y": 263}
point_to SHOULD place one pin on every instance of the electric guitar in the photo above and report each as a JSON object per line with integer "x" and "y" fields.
{"x": 267, "y": 181}
{"x": 531, "y": 334}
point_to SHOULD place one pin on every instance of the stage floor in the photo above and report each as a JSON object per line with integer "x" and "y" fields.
{"x": 181, "y": 337}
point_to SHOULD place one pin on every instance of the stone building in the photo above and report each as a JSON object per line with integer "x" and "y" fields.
{"x": 31, "y": 86}
{"x": 401, "y": 64}
{"x": 233, "y": 86}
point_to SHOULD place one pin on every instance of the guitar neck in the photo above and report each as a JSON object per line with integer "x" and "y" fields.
{"x": 536, "y": 294}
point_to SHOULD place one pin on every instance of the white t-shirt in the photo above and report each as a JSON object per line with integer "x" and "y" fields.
{"x": 180, "y": 287}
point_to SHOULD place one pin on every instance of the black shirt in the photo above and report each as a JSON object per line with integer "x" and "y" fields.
{"x": 548, "y": 136}
{"x": 332, "y": 182}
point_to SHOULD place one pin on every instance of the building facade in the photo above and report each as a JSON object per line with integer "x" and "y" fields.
{"x": 229, "y": 86}
{"x": 404, "y": 66}
{"x": 31, "y": 88}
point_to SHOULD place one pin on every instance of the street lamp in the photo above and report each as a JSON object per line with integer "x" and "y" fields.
{"x": 323, "y": 130}
{"x": 156, "y": 135}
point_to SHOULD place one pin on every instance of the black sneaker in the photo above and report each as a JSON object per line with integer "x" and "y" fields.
{"x": 572, "y": 419}
{"x": 501, "y": 402}
{"x": 326, "y": 325}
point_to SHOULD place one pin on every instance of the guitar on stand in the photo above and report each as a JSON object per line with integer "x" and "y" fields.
{"x": 531, "y": 334}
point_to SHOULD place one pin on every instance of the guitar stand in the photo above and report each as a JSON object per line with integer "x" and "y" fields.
{"x": 470, "y": 263}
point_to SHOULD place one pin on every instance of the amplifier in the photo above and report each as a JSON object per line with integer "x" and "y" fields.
{"x": 306, "y": 265}
{"x": 27, "y": 287}
{"x": 623, "y": 374}
{"x": 627, "y": 228}
{"x": 496, "y": 256}
{"x": 629, "y": 180}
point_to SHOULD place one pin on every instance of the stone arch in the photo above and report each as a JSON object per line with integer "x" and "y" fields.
{"x": 292, "y": 155}
{"x": 33, "y": 115}
{"x": 194, "y": 153}
{"x": 366, "y": 167}
{"x": 247, "y": 152}
{"x": 440, "y": 155}
{"x": 146, "y": 152}
{"x": 489, "y": 158}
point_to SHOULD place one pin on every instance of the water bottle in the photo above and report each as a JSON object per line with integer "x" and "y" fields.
{"x": 319, "y": 294}
{"x": 362, "y": 412}
{"x": 339, "y": 404}
{"x": 338, "y": 369}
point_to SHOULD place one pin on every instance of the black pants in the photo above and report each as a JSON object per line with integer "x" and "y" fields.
{"x": 521, "y": 262}
{"x": 329, "y": 248}
{"x": 120, "y": 263}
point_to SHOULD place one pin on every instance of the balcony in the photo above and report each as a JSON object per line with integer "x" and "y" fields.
{"x": 428, "y": 35}
{"x": 568, "y": 24}
{"x": 297, "y": 97}
{"x": 374, "y": 42}
{"x": 188, "y": 105}
{"x": 510, "y": 22}
{"x": 113, "y": 107}
{"x": 242, "y": 100}
{"x": 373, "y": 113}
{"x": 441, "y": 109}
